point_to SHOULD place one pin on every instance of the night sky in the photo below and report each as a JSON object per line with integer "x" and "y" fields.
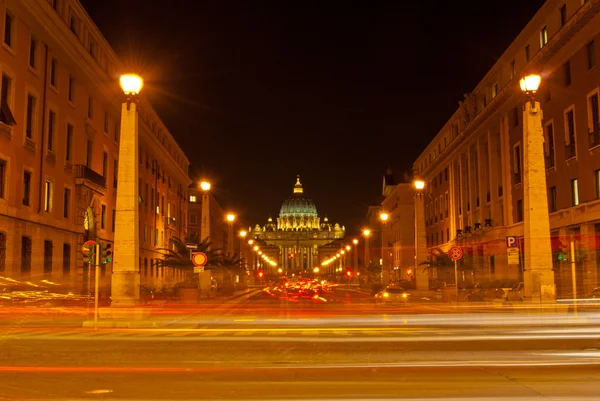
{"x": 257, "y": 92}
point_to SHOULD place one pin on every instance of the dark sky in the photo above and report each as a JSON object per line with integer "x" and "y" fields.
{"x": 256, "y": 92}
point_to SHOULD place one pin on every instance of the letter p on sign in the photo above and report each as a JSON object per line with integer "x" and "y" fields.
{"x": 511, "y": 242}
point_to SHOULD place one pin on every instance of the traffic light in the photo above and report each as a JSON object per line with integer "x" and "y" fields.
{"x": 261, "y": 274}
{"x": 409, "y": 271}
{"x": 105, "y": 253}
{"x": 349, "y": 273}
{"x": 89, "y": 254}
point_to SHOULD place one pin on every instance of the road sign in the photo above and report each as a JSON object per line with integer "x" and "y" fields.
{"x": 191, "y": 245}
{"x": 511, "y": 242}
{"x": 198, "y": 269}
{"x": 513, "y": 256}
{"x": 199, "y": 258}
{"x": 89, "y": 248}
{"x": 456, "y": 253}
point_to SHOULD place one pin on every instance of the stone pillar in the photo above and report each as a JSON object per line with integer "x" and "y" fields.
{"x": 421, "y": 252}
{"x": 125, "y": 278}
{"x": 538, "y": 276}
{"x": 588, "y": 256}
{"x": 453, "y": 201}
{"x": 297, "y": 257}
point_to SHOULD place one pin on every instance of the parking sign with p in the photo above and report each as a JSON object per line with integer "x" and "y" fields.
{"x": 511, "y": 242}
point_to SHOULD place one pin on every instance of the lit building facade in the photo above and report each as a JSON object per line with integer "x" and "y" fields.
{"x": 473, "y": 168}
{"x": 59, "y": 146}
{"x": 298, "y": 234}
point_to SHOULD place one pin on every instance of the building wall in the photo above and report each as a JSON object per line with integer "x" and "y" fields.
{"x": 61, "y": 80}
{"x": 473, "y": 167}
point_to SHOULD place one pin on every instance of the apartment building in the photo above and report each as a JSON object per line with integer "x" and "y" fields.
{"x": 473, "y": 166}
{"x": 59, "y": 146}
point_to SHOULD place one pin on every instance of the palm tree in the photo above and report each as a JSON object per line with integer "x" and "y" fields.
{"x": 178, "y": 256}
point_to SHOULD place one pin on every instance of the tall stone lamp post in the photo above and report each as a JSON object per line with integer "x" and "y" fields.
{"x": 538, "y": 277}
{"x": 125, "y": 280}
{"x": 367, "y": 234}
{"x": 230, "y": 220}
{"x": 205, "y": 222}
{"x": 355, "y": 264}
{"x": 421, "y": 276}
{"x": 385, "y": 274}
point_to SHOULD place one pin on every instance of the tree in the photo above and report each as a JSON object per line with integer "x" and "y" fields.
{"x": 178, "y": 256}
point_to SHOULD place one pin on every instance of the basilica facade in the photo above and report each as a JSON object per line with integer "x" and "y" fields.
{"x": 299, "y": 233}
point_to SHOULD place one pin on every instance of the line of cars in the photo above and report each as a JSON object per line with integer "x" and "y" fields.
{"x": 311, "y": 290}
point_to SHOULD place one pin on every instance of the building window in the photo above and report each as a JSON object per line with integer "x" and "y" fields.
{"x": 527, "y": 53}
{"x": 145, "y": 232}
{"x": 66, "y": 259}
{"x": 92, "y": 48}
{"x": 6, "y": 115}
{"x": 519, "y": 210}
{"x": 49, "y": 192}
{"x": 517, "y": 163}
{"x": 51, "y": 129}
{"x": 2, "y": 251}
{"x": 3, "y": 174}
{"x": 47, "y": 257}
{"x": 26, "y": 188}
{"x": 32, "y": 52}
{"x": 563, "y": 15}
{"x": 591, "y": 55}
{"x": 594, "y": 120}
{"x": 570, "y": 131}
{"x": 25, "y": 255}
{"x": 515, "y": 117}
{"x": 103, "y": 218}
{"x": 574, "y": 192}
{"x": 90, "y": 110}
{"x": 104, "y": 164}
{"x": 73, "y": 23}
{"x": 550, "y": 146}
{"x": 8, "y": 29}
{"x": 162, "y": 205}
{"x": 543, "y": 37}
{"x": 71, "y": 89}
{"x": 495, "y": 90}
{"x": 29, "y": 113}
{"x": 192, "y": 198}
{"x": 114, "y": 220}
{"x": 512, "y": 69}
{"x": 193, "y": 218}
{"x": 69, "y": 144}
{"x": 117, "y": 133}
{"x": 88, "y": 153}
{"x": 552, "y": 199}
{"x": 597, "y": 179}
{"x": 115, "y": 173}
{"x": 66, "y": 203}
{"x": 567, "y": 73}
{"x": 53, "y": 66}
{"x": 106, "y": 122}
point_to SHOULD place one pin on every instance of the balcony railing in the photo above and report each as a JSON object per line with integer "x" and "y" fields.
{"x": 570, "y": 150}
{"x": 87, "y": 173}
{"x": 594, "y": 136}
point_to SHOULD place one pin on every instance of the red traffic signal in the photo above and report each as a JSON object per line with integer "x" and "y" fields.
{"x": 349, "y": 273}
{"x": 409, "y": 272}
{"x": 261, "y": 274}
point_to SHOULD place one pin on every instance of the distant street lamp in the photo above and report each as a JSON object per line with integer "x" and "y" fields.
{"x": 125, "y": 279}
{"x": 355, "y": 262}
{"x": 243, "y": 234}
{"x": 538, "y": 278}
{"x": 367, "y": 233}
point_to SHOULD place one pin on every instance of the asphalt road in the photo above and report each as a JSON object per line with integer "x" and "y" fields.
{"x": 261, "y": 349}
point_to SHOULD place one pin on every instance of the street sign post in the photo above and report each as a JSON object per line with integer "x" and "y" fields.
{"x": 512, "y": 250}
{"x": 456, "y": 252}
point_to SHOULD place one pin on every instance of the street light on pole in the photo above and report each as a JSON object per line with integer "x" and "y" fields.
{"x": 383, "y": 216}
{"x": 230, "y": 219}
{"x": 205, "y": 223}
{"x": 367, "y": 233}
{"x": 421, "y": 277}
{"x": 125, "y": 279}
{"x": 538, "y": 277}
{"x": 355, "y": 242}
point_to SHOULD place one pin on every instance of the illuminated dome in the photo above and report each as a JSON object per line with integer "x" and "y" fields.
{"x": 298, "y": 205}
